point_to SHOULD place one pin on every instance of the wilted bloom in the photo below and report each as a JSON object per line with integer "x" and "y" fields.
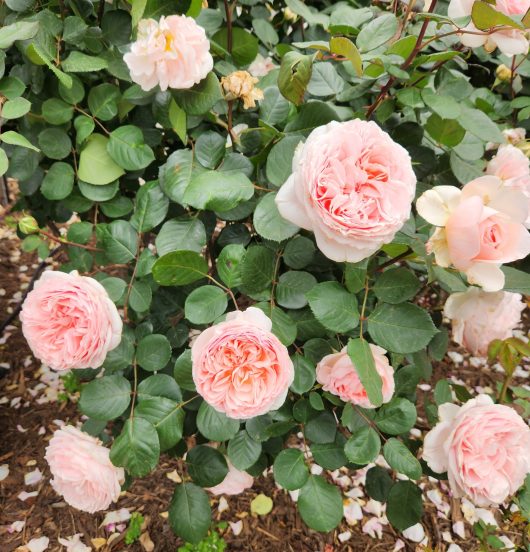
{"x": 240, "y": 85}
{"x": 240, "y": 367}
{"x": 480, "y": 228}
{"x": 478, "y": 317}
{"x": 173, "y": 52}
{"x": 510, "y": 41}
{"x": 69, "y": 321}
{"x": 503, "y": 73}
{"x": 352, "y": 185}
{"x": 82, "y": 471}
{"x": 483, "y": 447}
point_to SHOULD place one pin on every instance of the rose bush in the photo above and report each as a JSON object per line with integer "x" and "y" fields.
{"x": 256, "y": 212}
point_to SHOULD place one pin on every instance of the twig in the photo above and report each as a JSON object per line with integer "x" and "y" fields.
{"x": 131, "y": 281}
{"x": 34, "y": 278}
{"x": 363, "y": 308}
{"x": 395, "y": 259}
{"x": 66, "y": 242}
{"x": 101, "y": 10}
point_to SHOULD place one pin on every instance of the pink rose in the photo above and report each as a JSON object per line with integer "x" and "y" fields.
{"x": 352, "y": 185}
{"x": 82, "y": 471}
{"x": 338, "y": 375}
{"x": 513, "y": 167}
{"x": 235, "y": 482}
{"x": 241, "y": 368}
{"x": 478, "y": 317}
{"x": 261, "y": 66}
{"x": 481, "y": 228}
{"x": 69, "y": 321}
{"x": 484, "y": 447}
{"x": 172, "y": 52}
{"x": 509, "y": 41}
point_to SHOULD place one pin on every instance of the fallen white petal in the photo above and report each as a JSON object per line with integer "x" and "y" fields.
{"x": 414, "y": 533}
{"x": 454, "y": 548}
{"x": 4, "y": 471}
{"x": 236, "y": 527}
{"x": 16, "y": 526}
{"x": 352, "y": 511}
{"x": 459, "y": 529}
{"x": 223, "y": 505}
{"x": 33, "y": 477}
{"x": 24, "y": 495}
{"x": 38, "y": 545}
{"x": 117, "y": 516}
{"x": 346, "y": 536}
{"x": 74, "y": 544}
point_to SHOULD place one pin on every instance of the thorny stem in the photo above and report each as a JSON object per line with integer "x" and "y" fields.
{"x": 363, "y": 308}
{"x": 229, "y": 10}
{"x": 394, "y": 260}
{"x": 371, "y": 423}
{"x": 504, "y": 389}
{"x": 66, "y": 242}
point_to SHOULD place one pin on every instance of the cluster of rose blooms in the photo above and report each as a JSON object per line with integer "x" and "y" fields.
{"x": 353, "y": 187}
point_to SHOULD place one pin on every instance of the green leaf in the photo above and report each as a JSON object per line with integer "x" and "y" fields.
{"x": 485, "y": 17}
{"x": 243, "y": 451}
{"x": 57, "y": 112}
{"x": 396, "y": 285}
{"x": 167, "y": 417}
{"x": 320, "y": 504}
{"x": 257, "y": 268}
{"x": 269, "y": 223}
{"x": 292, "y": 289}
{"x": 4, "y": 162}
{"x": 137, "y": 447}
{"x": 55, "y": 143}
{"x": 345, "y": 47}
{"x": 377, "y": 32}
{"x": 479, "y": 124}
{"x": 210, "y": 149}
{"x": 403, "y": 328}
{"x": 404, "y": 505}
{"x": 206, "y": 466}
{"x": 280, "y": 160}
{"x": 218, "y": 191}
{"x": 178, "y": 120}
{"x": 120, "y": 241}
{"x": 304, "y": 375}
{"x": 16, "y": 139}
{"x": 182, "y": 372}
{"x": 77, "y": 62}
{"x": 290, "y": 469}
{"x": 159, "y": 385}
{"x": 244, "y": 44}
{"x": 153, "y": 352}
{"x": 58, "y": 182}
{"x": 396, "y": 417}
{"x": 448, "y": 132}
{"x": 140, "y": 297}
{"x": 265, "y": 32}
{"x": 274, "y": 108}
{"x": 202, "y": 97}
{"x": 516, "y": 281}
{"x": 182, "y": 232}
{"x": 179, "y": 268}
{"x": 21, "y": 30}
{"x": 363, "y": 446}
{"x": 229, "y": 264}
{"x": 175, "y": 174}
{"x": 204, "y": 304}
{"x": 126, "y": 147}
{"x": 95, "y": 164}
{"x": 190, "y": 513}
{"x": 150, "y": 208}
{"x": 325, "y": 80}
{"x": 401, "y": 459}
{"x": 13, "y": 109}
{"x": 105, "y": 398}
{"x": 103, "y": 101}
{"x": 295, "y": 74}
{"x": 311, "y": 116}
{"x": 363, "y": 361}
{"x": 444, "y": 106}
{"x": 378, "y": 483}
{"x": 84, "y": 126}
{"x": 65, "y": 81}
{"x": 334, "y": 307}
{"x": 442, "y": 392}
{"x": 215, "y": 425}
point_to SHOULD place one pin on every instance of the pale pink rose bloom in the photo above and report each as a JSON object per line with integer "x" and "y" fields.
{"x": 513, "y": 167}
{"x": 478, "y": 317}
{"x": 173, "y": 52}
{"x": 509, "y": 41}
{"x": 481, "y": 228}
{"x": 69, "y": 321}
{"x": 235, "y": 482}
{"x": 240, "y": 367}
{"x": 483, "y": 447}
{"x": 338, "y": 375}
{"x": 261, "y": 66}
{"x": 82, "y": 471}
{"x": 352, "y": 185}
